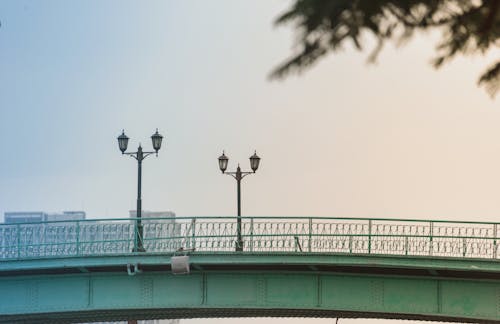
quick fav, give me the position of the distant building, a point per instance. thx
(151, 214)
(67, 215)
(38, 216)
(24, 217)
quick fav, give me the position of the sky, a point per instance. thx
(396, 139)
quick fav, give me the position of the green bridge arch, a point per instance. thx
(228, 285)
(71, 271)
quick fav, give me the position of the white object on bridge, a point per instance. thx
(180, 264)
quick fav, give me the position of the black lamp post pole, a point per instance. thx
(140, 155)
(139, 247)
(238, 177)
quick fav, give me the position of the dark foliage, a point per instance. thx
(468, 27)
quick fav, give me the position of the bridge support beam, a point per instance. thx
(114, 296)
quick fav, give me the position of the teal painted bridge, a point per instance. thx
(85, 271)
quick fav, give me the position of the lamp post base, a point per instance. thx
(139, 249)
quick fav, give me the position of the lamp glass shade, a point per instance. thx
(223, 160)
(123, 142)
(254, 162)
(156, 138)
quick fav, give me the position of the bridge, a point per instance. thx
(85, 270)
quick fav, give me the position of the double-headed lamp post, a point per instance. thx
(238, 175)
(139, 155)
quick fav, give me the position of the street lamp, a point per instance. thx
(139, 155)
(238, 175)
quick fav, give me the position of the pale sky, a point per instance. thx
(345, 139)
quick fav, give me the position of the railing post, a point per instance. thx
(18, 230)
(495, 241)
(193, 233)
(136, 231)
(297, 244)
(369, 236)
(464, 246)
(431, 233)
(251, 234)
(310, 234)
(44, 239)
(77, 238)
(406, 244)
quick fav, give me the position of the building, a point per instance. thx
(24, 217)
(150, 214)
(38, 216)
(66, 215)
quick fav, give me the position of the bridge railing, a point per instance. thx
(259, 234)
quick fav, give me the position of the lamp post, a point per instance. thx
(139, 155)
(238, 175)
